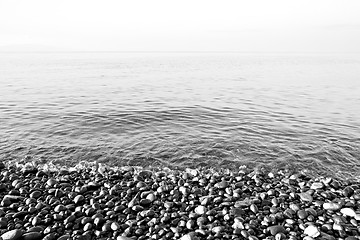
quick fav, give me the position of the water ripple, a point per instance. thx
(198, 111)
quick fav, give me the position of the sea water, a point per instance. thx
(219, 110)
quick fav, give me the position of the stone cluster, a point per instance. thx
(133, 203)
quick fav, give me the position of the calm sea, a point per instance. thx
(220, 110)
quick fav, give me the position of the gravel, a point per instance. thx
(131, 203)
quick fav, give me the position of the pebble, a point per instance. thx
(189, 236)
(211, 205)
(276, 229)
(317, 185)
(302, 214)
(331, 206)
(306, 197)
(348, 212)
(200, 210)
(78, 199)
(312, 231)
(12, 234)
(32, 236)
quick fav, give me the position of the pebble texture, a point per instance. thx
(132, 203)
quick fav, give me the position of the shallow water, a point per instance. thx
(183, 110)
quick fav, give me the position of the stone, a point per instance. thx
(35, 194)
(312, 231)
(276, 229)
(243, 203)
(222, 185)
(217, 229)
(32, 236)
(12, 235)
(348, 191)
(189, 236)
(123, 238)
(331, 206)
(348, 212)
(51, 182)
(254, 208)
(238, 223)
(317, 185)
(200, 210)
(305, 197)
(79, 199)
(64, 237)
(337, 227)
(302, 214)
(326, 236)
(115, 226)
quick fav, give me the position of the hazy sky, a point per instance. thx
(184, 25)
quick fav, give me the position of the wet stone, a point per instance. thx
(276, 229)
(302, 214)
(79, 199)
(12, 235)
(311, 231)
(348, 212)
(306, 197)
(32, 236)
(200, 210)
(331, 206)
(317, 185)
(222, 185)
(348, 191)
(35, 194)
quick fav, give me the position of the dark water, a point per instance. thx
(183, 110)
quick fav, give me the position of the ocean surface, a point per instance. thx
(177, 110)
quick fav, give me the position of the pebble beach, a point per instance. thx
(99, 202)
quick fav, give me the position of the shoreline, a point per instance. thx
(95, 201)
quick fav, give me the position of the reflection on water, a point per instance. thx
(218, 110)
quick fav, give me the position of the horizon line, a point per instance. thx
(171, 51)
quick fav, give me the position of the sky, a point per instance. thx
(186, 25)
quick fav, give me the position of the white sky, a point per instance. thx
(183, 25)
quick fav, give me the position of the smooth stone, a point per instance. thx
(35, 194)
(348, 191)
(317, 185)
(238, 224)
(327, 236)
(36, 229)
(217, 229)
(237, 212)
(331, 206)
(64, 237)
(243, 203)
(115, 226)
(222, 185)
(302, 214)
(32, 236)
(254, 208)
(200, 210)
(59, 208)
(306, 197)
(13, 198)
(312, 231)
(12, 234)
(51, 182)
(337, 227)
(78, 199)
(276, 229)
(189, 236)
(351, 238)
(348, 212)
(308, 238)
